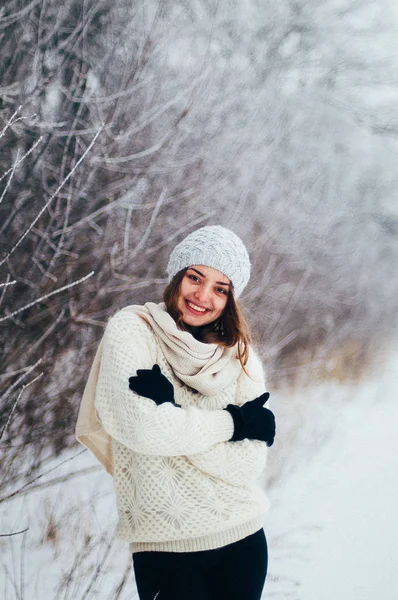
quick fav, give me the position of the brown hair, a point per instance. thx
(229, 329)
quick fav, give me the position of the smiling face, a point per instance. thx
(203, 295)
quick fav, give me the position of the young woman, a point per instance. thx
(174, 408)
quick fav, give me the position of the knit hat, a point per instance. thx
(217, 247)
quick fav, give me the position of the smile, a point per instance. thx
(195, 308)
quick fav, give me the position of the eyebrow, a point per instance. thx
(201, 274)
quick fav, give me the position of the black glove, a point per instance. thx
(151, 383)
(253, 421)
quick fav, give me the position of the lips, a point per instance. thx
(195, 309)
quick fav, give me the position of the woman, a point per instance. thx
(174, 408)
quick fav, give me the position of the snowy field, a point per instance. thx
(332, 528)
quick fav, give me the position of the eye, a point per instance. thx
(192, 277)
(222, 291)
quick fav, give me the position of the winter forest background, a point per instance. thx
(123, 126)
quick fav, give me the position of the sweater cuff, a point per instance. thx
(238, 422)
(224, 425)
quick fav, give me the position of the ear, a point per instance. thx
(156, 369)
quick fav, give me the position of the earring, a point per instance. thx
(221, 328)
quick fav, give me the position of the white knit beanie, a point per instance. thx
(217, 247)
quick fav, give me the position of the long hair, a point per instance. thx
(230, 329)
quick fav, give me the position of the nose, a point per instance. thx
(202, 293)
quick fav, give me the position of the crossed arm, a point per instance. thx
(166, 429)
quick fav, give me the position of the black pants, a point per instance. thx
(233, 572)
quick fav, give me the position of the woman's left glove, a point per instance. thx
(151, 383)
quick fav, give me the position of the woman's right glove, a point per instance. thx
(253, 421)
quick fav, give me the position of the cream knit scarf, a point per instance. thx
(207, 368)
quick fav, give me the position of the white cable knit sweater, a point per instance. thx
(180, 484)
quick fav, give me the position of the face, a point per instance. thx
(203, 295)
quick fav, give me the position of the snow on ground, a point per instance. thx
(332, 528)
(71, 525)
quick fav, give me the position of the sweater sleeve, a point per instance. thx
(238, 463)
(138, 422)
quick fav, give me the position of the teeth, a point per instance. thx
(198, 308)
